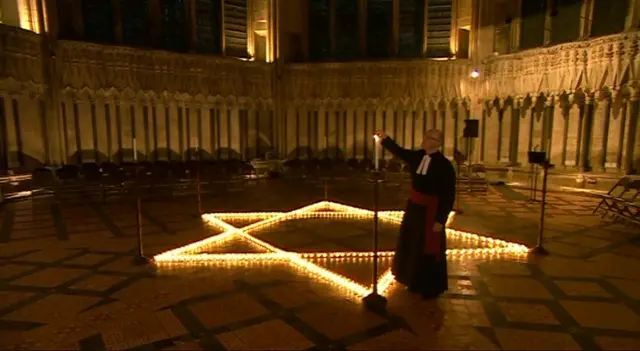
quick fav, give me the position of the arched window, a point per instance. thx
(319, 29)
(565, 21)
(66, 29)
(439, 13)
(347, 29)
(411, 27)
(607, 18)
(174, 25)
(533, 16)
(135, 22)
(379, 28)
(209, 25)
(99, 21)
(235, 27)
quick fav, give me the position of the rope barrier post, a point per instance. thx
(374, 301)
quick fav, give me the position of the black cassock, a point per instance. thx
(420, 260)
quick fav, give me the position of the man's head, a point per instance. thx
(432, 139)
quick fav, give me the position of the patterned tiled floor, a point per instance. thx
(66, 281)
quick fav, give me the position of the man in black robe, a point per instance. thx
(420, 260)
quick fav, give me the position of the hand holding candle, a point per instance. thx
(376, 138)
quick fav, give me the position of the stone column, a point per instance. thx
(450, 128)
(587, 132)
(302, 129)
(288, 128)
(190, 123)
(615, 135)
(253, 129)
(154, 114)
(419, 125)
(601, 122)
(75, 133)
(30, 127)
(323, 131)
(225, 129)
(117, 131)
(537, 123)
(162, 108)
(235, 130)
(11, 132)
(514, 131)
(349, 132)
(127, 127)
(524, 133)
(504, 120)
(142, 128)
(100, 125)
(573, 134)
(205, 127)
(632, 151)
(547, 124)
(173, 117)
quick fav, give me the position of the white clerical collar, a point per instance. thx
(424, 165)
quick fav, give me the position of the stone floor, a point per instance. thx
(66, 281)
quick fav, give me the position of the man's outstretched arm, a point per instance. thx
(396, 149)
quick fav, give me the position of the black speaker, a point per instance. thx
(471, 127)
(537, 157)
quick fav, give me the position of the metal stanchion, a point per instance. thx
(536, 158)
(539, 249)
(139, 259)
(374, 301)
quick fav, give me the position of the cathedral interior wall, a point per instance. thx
(87, 102)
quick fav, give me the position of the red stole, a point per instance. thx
(432, 244)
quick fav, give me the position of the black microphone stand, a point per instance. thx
(374, 301)
(533, 174)
(539, 249)
(139, 259)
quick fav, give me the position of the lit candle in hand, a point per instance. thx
(377, 151)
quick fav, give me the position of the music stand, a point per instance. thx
(536, 158)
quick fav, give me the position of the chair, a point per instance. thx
(294, 167)
(43, 182)
(626, 207)
(616, 191)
